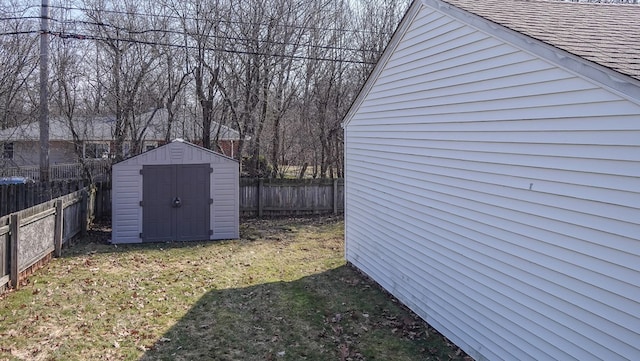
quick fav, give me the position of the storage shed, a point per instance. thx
(493, 176)
(178, 191)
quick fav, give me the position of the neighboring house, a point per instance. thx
(20, 146)
(493, 176)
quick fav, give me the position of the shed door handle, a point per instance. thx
(177, 202)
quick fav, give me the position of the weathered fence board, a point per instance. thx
(272, 197)
(57, 237)
(72, 218)
(16, 197)
(36, 239)
(4, 255)
(267, 197)
(14, 231)
(102, 200)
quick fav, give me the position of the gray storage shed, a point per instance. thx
(176, 192)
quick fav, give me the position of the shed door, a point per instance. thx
(176, 202)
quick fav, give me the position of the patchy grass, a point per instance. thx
(282, 292)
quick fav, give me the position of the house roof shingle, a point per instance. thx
(606, 34)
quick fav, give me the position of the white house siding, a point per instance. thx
(498, 196)
(127, 190)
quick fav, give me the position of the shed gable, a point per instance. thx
(496, 193)
(178, 152)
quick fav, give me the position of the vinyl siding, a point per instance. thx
(498, 196)
(126, 216)
(225, 209)
(127, 190)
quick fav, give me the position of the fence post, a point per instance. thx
(83, 213)
(98, 206)
(21, 195)
(335, 196)
(92, 203)
(57, 238)
(15, 236)
(4, 200)
(260, 197)
(11, 197)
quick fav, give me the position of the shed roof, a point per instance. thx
(177, 146)
(606, 34)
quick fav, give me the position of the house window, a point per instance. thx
(7, 151)
(149, 146)
(96, 150)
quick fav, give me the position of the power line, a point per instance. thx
(222, 37)
(303, 45)
(175, 17)
(182, 33)
(21, 18)
(20, 32)
(77, 36)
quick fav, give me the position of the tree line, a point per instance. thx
(281, 72)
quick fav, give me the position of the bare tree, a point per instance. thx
(128, 53)
(281, 72)
(354, 36)
(67, 59)
(18, 64)
(250, 72)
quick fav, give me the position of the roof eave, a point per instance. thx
(622, 84)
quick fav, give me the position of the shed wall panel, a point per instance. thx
(126, 210)
(498, 196)
(226, 201)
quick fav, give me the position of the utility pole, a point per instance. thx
(44, 91)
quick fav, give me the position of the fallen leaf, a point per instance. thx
(337, 318)
(344, 352)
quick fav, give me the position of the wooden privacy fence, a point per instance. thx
(275, 197)
(30, 237)
(258, 197)
(16, 197)
(100, 170)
